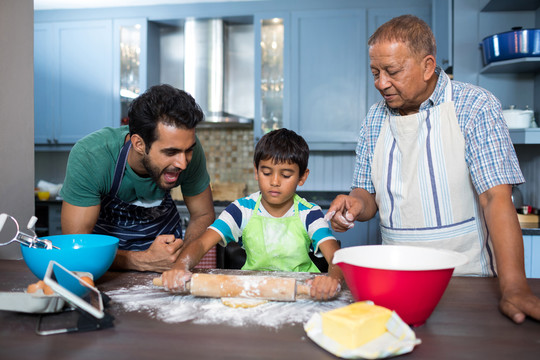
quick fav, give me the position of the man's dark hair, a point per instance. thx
(165, 104)
(282, 146)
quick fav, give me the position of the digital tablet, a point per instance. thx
(74, 290)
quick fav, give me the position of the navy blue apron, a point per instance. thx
(135, 226)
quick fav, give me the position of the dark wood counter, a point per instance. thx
(465, 325)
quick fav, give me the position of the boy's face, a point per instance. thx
(278, 183)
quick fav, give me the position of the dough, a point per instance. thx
(236, 302)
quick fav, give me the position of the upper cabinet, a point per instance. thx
(328, 76)
(73, 66)
(86, 73)
(136, 62)
(313, 71)
(308, 67)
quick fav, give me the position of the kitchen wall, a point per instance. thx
(229, 155)
(16, 117)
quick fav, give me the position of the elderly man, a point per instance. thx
(118, 181)
(434, 157)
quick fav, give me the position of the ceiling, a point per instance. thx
(83, 4)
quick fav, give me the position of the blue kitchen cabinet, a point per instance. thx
(330, 80)
(328, 75)
(73, 63)
(136, 62)
(531, 245)
(43, 84)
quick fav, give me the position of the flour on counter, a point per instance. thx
(172, 308)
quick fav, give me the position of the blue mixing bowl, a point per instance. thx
(92, 253)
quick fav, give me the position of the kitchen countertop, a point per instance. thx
(465, 325)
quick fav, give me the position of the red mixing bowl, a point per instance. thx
(409, 280)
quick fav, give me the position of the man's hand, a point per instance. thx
(517, 300)
(163, 252)
(346, 209)
(519, 303)
(160, 256)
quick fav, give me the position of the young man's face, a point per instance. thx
(278, 183)
(169, 155)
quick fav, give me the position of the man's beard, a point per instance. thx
(155, 174)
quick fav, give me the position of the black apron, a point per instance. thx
(135, 226)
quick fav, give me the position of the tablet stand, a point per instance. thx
(85, 322)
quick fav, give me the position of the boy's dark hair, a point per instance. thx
(281, 146)
(165, 104)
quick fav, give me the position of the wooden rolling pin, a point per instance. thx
(244, 286)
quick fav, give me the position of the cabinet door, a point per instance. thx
(328, 74)
(43, 83)
(527, 254)
(535, 256)
(131, 59)
(85, 67)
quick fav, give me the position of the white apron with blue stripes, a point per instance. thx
(135, 226)
(423, 187)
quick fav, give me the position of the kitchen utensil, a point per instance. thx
(244, 286)
(517, 197)
(407, 279)
(518, 118)
(517, 43)
(93, 253)
(27, 240)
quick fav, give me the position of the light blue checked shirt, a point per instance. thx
(489, 152)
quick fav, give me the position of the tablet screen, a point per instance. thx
(73, 289)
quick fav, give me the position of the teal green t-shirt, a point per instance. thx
(90, 172)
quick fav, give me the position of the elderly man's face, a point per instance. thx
(400, 77)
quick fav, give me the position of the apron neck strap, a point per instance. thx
(120, 168)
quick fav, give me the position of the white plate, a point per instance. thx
(30, 303)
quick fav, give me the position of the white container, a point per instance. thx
(517, 118)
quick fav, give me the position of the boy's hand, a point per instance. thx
(324, 287)
(175, 280)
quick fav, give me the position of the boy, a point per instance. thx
(277, 227)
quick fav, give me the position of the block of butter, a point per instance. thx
(354, 325)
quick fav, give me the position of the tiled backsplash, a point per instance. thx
(229, 155)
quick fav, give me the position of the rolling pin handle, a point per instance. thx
(159, 282)
(303, 290)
